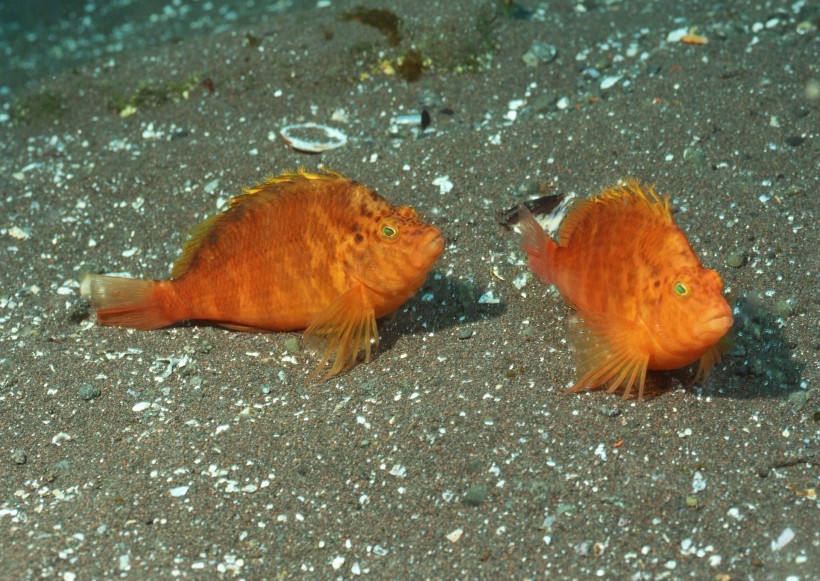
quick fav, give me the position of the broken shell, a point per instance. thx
(312, 137)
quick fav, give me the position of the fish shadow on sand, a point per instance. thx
(759, 363)
(455, 305)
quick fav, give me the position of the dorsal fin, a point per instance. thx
(203, 230)
(299, 175)
(628, 193)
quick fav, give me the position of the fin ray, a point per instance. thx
(606, 354)
(537, 244)
(629, 192)
(341, 331)
(124, 302)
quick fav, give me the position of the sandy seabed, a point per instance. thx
(199, 452)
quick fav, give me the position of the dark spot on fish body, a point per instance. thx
(374, 196)
(358, 238)
(364, 211)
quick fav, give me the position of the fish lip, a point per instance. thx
(433, 246)
(718, 324)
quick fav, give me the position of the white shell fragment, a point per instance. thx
(179, 491)
(312, 137)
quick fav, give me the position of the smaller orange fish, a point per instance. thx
(314, 251)
(642, 298)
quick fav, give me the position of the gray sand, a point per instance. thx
(199, 452)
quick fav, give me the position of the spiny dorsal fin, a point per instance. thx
(203, 230)
(299, 175)
(630, 192)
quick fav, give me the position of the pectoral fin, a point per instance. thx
(712, 356)
(341, 330)
(607, 352)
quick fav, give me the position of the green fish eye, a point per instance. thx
(389, 233)
(681, 289)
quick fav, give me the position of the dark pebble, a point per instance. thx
(465, 333)
(89, 392)
(795, 140)
(475, 496)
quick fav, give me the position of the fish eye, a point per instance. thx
(389, 232)
(681, 289)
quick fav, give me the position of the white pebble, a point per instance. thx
(141, 406)
(784, 539)
(60, 438)
(18, 233)
(698, 482)
(677, 34)
(211, 186)
(609, 82)
(125, 563)
(488, 298)
(444, 184)
(179, 491)
(454, 536)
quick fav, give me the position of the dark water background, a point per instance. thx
(41, 38)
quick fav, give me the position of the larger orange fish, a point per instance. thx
(314, 251)
(642, 297)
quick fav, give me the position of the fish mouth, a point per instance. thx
(428, 250)
(717, 325)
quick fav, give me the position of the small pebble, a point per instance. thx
(19, 456)
(475, 496)
(204, 346)
(783, 308)
(465, 333)
(736, 259)
(539, 52)
(695, 156)
(292, 345)
(89, 392)
(610, 412)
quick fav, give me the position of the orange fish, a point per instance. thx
(314, 251)
(642, 298)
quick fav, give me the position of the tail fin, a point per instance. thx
(124, 302)
(537, 244)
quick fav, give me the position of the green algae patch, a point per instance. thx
(153, 93)
(42, 106)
